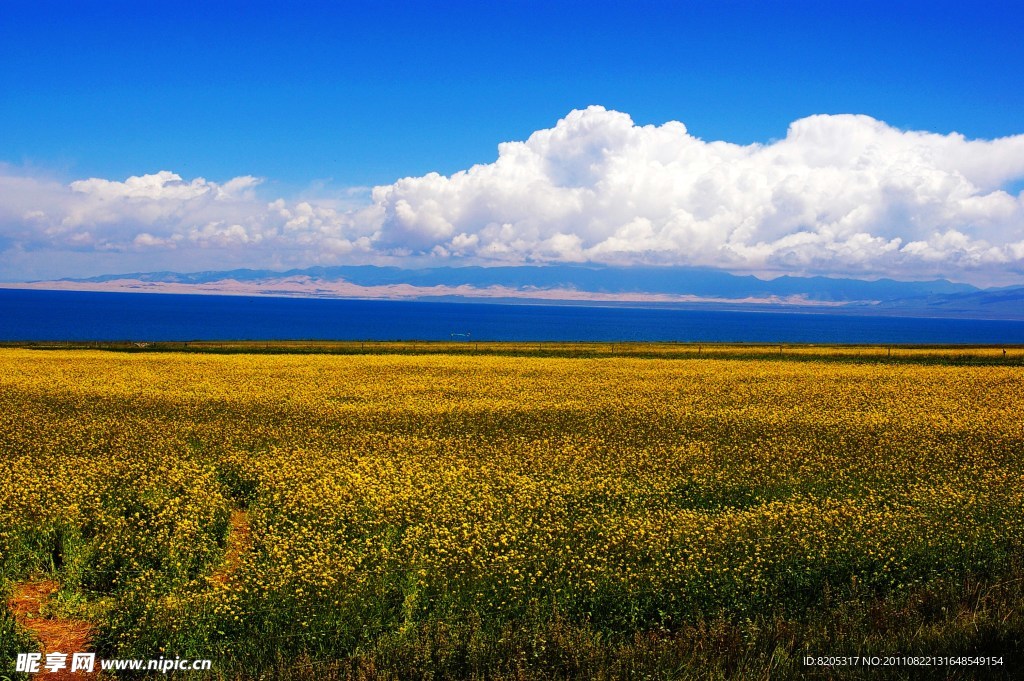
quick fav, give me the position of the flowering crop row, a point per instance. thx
(385, 492)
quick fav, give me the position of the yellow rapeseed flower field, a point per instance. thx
(388, 496)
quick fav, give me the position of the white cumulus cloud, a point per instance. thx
(161, 221)
(839, 194)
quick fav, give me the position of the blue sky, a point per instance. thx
(319, 99)
(366, 92)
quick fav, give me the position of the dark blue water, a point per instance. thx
(86, 316)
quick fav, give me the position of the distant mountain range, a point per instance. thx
(579, 284)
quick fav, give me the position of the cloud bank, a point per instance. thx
(839, 194)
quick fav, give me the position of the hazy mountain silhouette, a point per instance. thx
(883, 296)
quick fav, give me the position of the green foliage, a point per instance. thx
(13, 640)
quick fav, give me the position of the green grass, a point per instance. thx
(949, 355)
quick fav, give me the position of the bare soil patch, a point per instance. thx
(55, 634)
(239, 541)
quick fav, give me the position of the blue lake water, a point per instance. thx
(87, 316)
